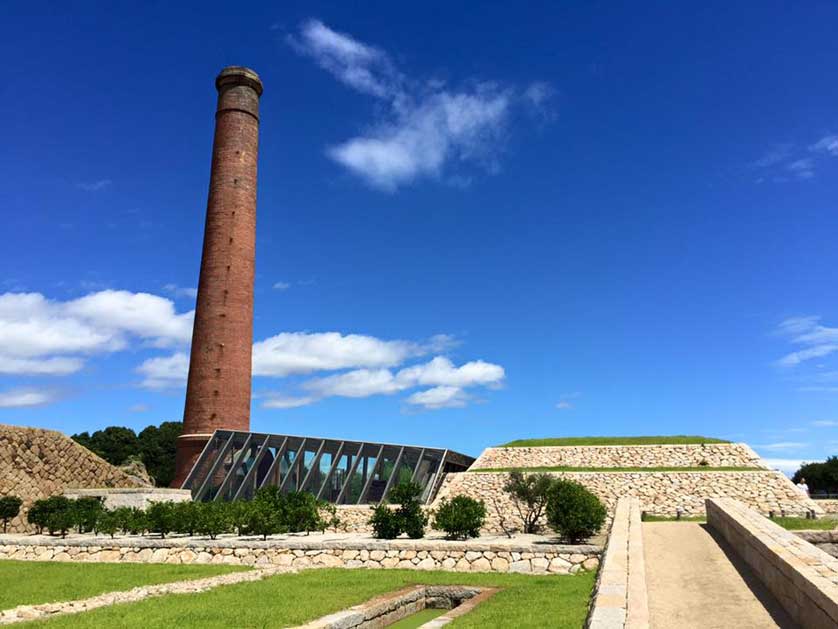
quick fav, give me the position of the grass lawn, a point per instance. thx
(418, 619)
(610, 441)
(568, 468)
(35, 582)
(802, 524)
(292, 599)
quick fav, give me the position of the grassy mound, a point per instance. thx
(611, 441)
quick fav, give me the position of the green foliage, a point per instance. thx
(529, 493)
(264, 515)
(213, 518)
(301, 513)
(611, 441)
(157, 450)
(460, 518)
(114, 444)
(56, 514)
(161, 517)
(186, 517)
(329, 516)
(9, 509)
(238, 513)
(820, 477)
(573, 511)
(385, 523)
(86, 512)
(155, 446)
(37, 515)
(108, 523)
(407, 518)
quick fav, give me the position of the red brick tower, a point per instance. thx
(218, 390)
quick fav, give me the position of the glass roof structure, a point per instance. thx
(234, 464)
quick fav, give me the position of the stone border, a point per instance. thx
(384, 610)
(23, 613)
(620, 599)
(306, 553)
(803, 578)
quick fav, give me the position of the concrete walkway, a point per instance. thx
(695, 581)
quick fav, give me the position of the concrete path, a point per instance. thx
(696, 581)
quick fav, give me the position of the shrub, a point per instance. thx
(301, 513)
(186, 517)
(160, 517)
(108, 523)
(408, 518)
(238, 513)
(86, 513)
(460, 518)
(573, 511)
(61, 515)
(385, 522)
(266, 515)
(329, 516)
(529, 493)
(213, 519)
(37, 515)
(9, 509)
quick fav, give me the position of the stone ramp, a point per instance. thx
(695, 581)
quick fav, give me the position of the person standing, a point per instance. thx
(802, 486)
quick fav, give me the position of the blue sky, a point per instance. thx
(473, 225)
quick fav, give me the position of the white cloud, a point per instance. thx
(165, 372)
(139, 408)
(42, 336)
(282, 285)
(782, 445)
(427, 126)
(787, 466)
(181, 291)
(301, 352)
(802, 168)
(827, 144)
(818, 340)
(825, 423)
(564, 405)
(18, 398)
(283, 401)
(94, 186)
(439, 397)
(439, 373)
(776, 155)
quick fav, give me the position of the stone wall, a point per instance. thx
(660, 493)
(828, 506)
(802, 578)
(620, 599)
(311, 552)
(135, 497)
(38, 463)
(711, 454)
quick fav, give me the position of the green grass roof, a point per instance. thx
(610, 441)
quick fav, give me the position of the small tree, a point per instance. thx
(61, 515)
(329, 517)
(574, 512)
(460, 518)
(267, 512)
(186, 517)
(9, 509)
(411, 519)
(86, 513)
(238, 512)
(385, 522)
(108, 523)
(529, 493)
(160, 517)
(38, 514)
(213, 519)
(301, 513)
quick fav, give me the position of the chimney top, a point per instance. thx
(238, 75)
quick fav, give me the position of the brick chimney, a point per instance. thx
(218, 389)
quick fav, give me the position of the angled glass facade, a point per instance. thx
(234, 464)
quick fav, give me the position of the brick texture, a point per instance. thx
(218, 389)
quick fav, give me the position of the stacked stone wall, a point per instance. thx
(37, 463)
(472, 556)
(693, 455)
(660, 493)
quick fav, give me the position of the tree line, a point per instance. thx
(154, 446)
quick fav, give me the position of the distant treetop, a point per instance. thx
(611, 441)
